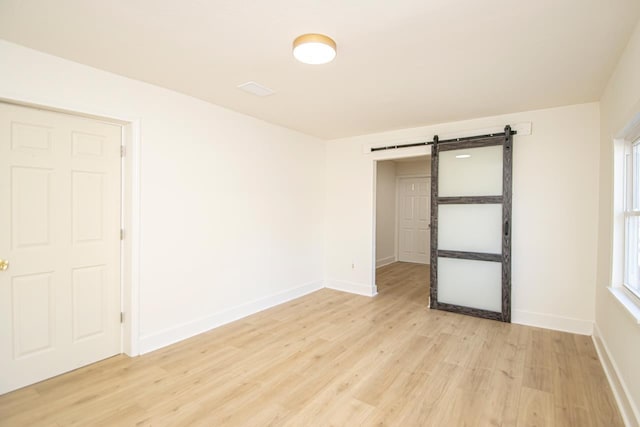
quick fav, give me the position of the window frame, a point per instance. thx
(631, 209)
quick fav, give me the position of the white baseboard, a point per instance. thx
(351, 287)
(385, 261)
(189, 329)
(548, 321)
(630, 413)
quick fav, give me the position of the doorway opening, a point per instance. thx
(402, 226)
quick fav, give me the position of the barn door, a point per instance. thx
(471, 226)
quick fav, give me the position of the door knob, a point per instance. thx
(4, 264)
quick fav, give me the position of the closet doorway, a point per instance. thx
(403, 191)
(402, 227)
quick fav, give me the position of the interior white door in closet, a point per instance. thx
(413, 220)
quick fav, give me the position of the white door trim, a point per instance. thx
(414, 175)
(130, 215)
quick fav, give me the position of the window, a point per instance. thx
(625, 271)
(632, 217)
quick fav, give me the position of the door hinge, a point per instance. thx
(121, 317)
(123, 151)
(122, 234)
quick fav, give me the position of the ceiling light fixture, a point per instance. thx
(463, 156)
(314, 49)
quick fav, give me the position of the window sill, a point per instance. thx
(628, 302)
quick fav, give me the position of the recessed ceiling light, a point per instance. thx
(463, 156)
(314, 49)
(256, 89)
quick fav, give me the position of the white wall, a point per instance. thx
(554, 211)
(617, 332)
(385, 213)
(415, 167)
(231, 207)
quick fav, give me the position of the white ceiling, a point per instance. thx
(400, 63)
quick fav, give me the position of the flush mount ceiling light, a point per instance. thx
(463, 156)
(314, 49)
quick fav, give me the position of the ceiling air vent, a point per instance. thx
(256, 89)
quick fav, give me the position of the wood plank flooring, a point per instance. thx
(335, 359)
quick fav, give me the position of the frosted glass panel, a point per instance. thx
(472, 172)
(475, 284)
(471, 228)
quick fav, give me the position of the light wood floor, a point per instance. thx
(332, 358)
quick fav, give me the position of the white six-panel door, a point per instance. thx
(59, 231)
(413, 220)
